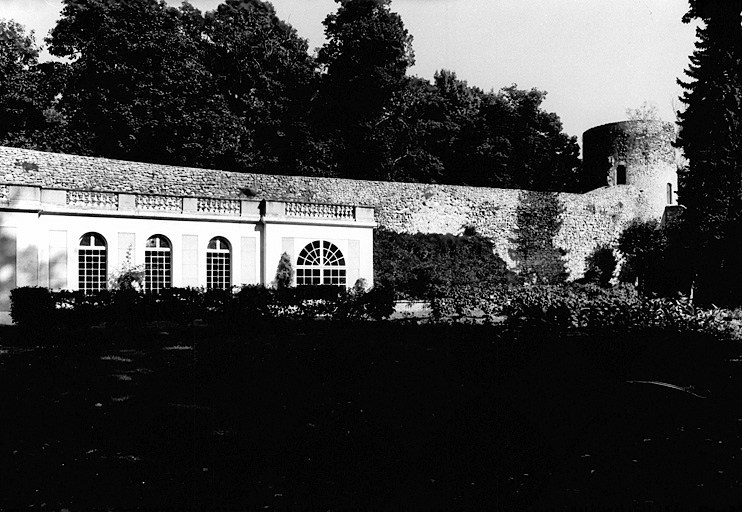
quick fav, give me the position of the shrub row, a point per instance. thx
(564, 307)
(35, 308)
(578, 306)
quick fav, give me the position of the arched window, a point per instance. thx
(218, 264)
(621, 175)
(320, 262)
(157, 264)
(669, 193)
(92, 263)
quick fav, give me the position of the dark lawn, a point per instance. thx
(373, 416)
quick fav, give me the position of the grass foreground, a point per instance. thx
(378, 415)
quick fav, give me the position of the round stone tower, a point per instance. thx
(636, 154)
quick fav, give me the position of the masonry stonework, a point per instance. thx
(638, 153)
(588, 221)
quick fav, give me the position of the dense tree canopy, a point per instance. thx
(422, 265)
(264, 72)
(513, 143)
(27, 88)
(138, 87)
(365, 61)
(18, 59)
(237, 89)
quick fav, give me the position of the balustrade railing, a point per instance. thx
(219, 206)
(321, 211)
(90, 200)
(159, 203)
(93, 200)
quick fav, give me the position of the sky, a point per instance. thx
(594, 58)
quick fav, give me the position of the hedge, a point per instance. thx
(563, 307)
(578, 307)
(418, 265)
(33, 306)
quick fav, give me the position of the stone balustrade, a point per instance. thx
(320, 211)
(92, 200)
(218, 206)
(33, 197)
(159, 203)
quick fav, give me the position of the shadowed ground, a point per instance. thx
(379, 415)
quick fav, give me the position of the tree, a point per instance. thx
(451, 109)
(410, 134)
(499, 139)
(449, 132)
(641, 245)
(365, 60)
(267, 77)
(284, 272)
(655, 257)
(528, 142)
(19, 81)
(138, 88)
(151, 82)
(538, 219)
(236, 89)
(424, 264)
(710, 187)
(600, 265)
(28, 94)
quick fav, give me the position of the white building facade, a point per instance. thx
(78, 239)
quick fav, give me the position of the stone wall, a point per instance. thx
(643, 148)
(589, 220)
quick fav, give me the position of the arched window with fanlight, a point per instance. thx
(92, 263)
(320, 262)
(157, 264)
(218, 264)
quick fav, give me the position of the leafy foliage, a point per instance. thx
(138, 87)
(655, 258)
(267, 78)
(449, 132)
(518, 145)
(222, 309)
(30, 304)
(538, 218)
(601, 264)
(423, 265)
(27, 88)
(128, 276)
(235, 88)
(580, 308)
(365, 59)
(641, 243)
(18, 58)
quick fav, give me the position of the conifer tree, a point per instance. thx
(711, 137)
(284, 272)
